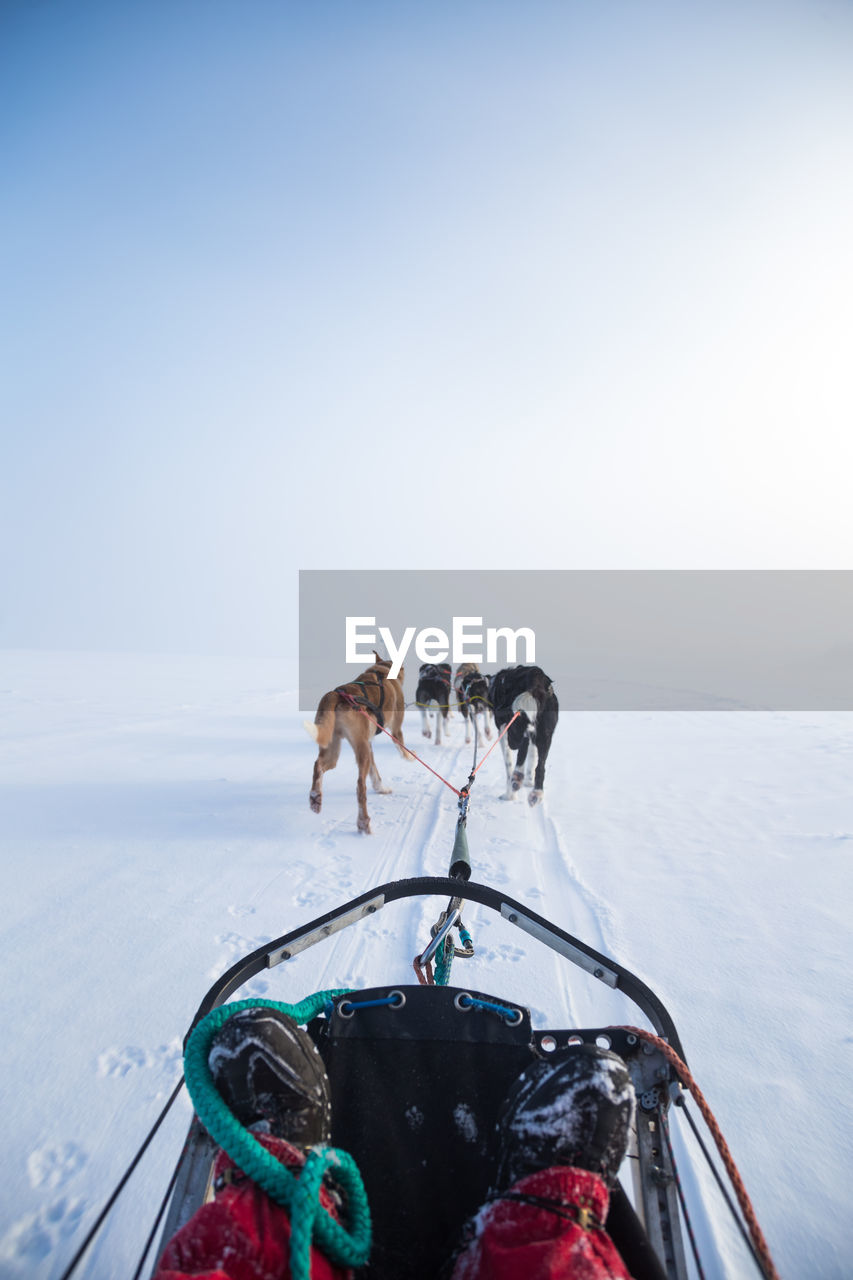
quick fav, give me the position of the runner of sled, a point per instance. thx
(563, 1133)
(340, 716)
(529, 691)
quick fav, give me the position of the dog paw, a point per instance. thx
(382, 790)
(516, 780)
(427, 733)
(315, 799)
(364, 826)
(534, 797)
(508, 795)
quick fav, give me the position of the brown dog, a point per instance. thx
(339, 715)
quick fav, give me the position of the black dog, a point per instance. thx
(529, 691)
(472, 694)
(434, 686)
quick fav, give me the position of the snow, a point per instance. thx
(155, 826)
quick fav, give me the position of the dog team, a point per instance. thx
(363, 707)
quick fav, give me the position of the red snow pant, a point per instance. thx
(561, 1239)
(243, 1235)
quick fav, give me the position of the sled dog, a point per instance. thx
(530, 691)
(341, 715)
(434, 686)
(472, 694)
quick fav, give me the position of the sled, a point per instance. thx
(418, 1073)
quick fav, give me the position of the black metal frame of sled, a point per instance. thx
(367, 904)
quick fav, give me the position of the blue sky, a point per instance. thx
(541, 285)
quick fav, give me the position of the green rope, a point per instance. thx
(443, 961)
(299, 1195)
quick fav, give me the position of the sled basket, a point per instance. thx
(418, 1075)
(417, 1085)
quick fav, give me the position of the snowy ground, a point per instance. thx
(155, 826)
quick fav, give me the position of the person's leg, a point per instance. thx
(272, 1077)
(563, 1133)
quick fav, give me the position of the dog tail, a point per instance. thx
(322, 726)
(527, 703)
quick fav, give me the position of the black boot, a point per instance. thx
(267, 1068)
(575, 1109)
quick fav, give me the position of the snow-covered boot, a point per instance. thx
(267, 1068)
(573, 1109)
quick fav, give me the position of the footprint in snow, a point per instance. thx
(255, 987)
(308, 898)
(37, 1236)
(237, 946)
(380, 933)
(167, 1058)
(355, 981)
(50, 1167)
(241, 911)
(118, 1062)
(300, 868)
(503, 952)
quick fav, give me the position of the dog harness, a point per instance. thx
(365, 701)
(466, 685)
(436, 671)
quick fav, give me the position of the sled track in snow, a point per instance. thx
(581, 911)
(512, 846)
(589, 916)
(412, 835)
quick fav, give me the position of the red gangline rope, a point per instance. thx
(683, 1072)
(494, 744)
(349, 697)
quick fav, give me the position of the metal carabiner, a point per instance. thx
(439, 936)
